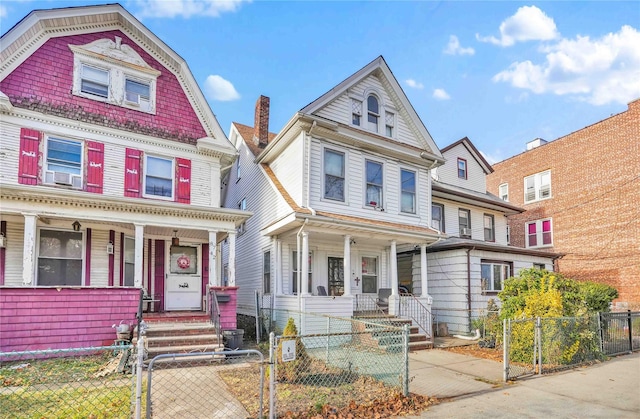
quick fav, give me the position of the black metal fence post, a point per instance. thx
(629, 323)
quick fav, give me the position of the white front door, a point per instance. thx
(183, 287)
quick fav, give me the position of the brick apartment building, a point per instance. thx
(581, 193)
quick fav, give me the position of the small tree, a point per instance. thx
(292, 370)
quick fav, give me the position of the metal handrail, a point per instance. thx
(411, 308)
(366, 304)
(214, 313)
(139, 313)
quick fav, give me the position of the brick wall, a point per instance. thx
(44, 82)
(595, 182)
(58, 318)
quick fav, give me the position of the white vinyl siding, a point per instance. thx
(289, 168)
(448, 173)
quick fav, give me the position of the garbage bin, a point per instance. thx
(233, 338)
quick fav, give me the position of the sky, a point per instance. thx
(501, 73)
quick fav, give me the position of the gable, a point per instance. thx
(476, 168)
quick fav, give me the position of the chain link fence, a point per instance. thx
(67, 383)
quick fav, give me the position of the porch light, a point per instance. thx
(175, 241)
(76, 225)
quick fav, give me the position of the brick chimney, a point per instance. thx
(261, 122)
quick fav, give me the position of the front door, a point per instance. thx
(183, 287)
(336, 276)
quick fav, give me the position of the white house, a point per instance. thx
(334, 194)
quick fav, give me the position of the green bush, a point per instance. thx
(292, 370)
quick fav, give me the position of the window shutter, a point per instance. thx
(29, 156)
(95, 167)
(133, 173)
(183, 180)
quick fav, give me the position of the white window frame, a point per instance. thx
(491, 229)
(99, 82)
(539, 233)
(242, 206)
(376, 276)
(389, 124)
(266, 273)
(356, 112)
(465, 169)
(488, 284)
(137, 103)
(541, 191)
(468, 226)
(367, 202)
(82, 255)
(173, 177)
(441, 221)
(52, 177)
(503, 192)
(344, 175)
(415, 191)
(375, 115)
(124, 261)
(295, 269)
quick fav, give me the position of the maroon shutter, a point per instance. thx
(87, 258)
(183, 180)
(95, 166)
(158, 280)
(111, 257)
(133, 173)
(205, 271)
(29, 156)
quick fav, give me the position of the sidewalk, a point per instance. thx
(475, 386)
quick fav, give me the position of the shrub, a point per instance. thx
(292, 370)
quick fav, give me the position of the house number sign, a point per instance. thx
(185, 285)
(288, 350)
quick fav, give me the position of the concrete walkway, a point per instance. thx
(607, 390)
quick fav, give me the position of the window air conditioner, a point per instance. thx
(465, 231)
(63, 178)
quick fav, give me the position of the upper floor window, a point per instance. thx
(60, 257)
(537, 187)
(462, 168)
(373, 112)
(539, 233)
(508, 235)
(94, 81)
(356, 112)
(238, 171)
(489, 228)
(374, 184)
(504, 191)
(242, 206)
(63, 162)
(408, 191)
(437, 217)
(138, 93)
(389, 120)
(493, 274)
(334, 175)
(464, 222)
(266, 272)
(158, 177)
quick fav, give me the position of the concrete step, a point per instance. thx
(159, 341)
(183, 349)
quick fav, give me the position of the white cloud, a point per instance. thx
(598, 71)
(414, 84)
(217, 88)
(454, 48)
(187, 8)
(528, 24)
(3, 11)
(441, 94)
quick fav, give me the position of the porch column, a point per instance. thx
(29, 249)
(347, 265)
(423, 270)
(304, 271)
(277, 274)
(213, 252)
(232, 259)
(393, 265)
(139, 255)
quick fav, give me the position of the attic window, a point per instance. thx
(388, 120)
(94, 81)
(356, 112)
(373, 112)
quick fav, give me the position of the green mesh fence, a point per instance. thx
(70, 383)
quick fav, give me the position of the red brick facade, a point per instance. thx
(594, 204)
(50, 92)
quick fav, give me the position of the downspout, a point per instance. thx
(469, 285)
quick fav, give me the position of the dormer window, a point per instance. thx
(137, 92)
(373, 113)
(462, 168)
(95, 81)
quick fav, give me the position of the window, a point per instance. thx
(138, 93)
(464, 222)
(129, 261)
(158, 177)
(508, 235)
(94, 81)
(489, 228)
(408, 191)
(539, 233)
(60, 258)
(295, 271)
(333, 175)
(369, 274)
(373, 113)
(374, 184)
(493, 274)
(266, 273)
(242, 206)
(356, 112)
(437, 217)
(462, 168)
(504, 191)
(540, 266)
(537, 187)
(238, 172)
(389, 123)
(63, 164)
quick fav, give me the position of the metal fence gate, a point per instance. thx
(227, 384)
(521, 347)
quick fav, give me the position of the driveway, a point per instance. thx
(475, 389)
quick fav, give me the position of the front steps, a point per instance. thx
(417, 340)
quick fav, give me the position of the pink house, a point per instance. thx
(109, 180)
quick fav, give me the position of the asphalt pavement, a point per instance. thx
(470, 387)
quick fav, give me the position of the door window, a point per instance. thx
(336, 276)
